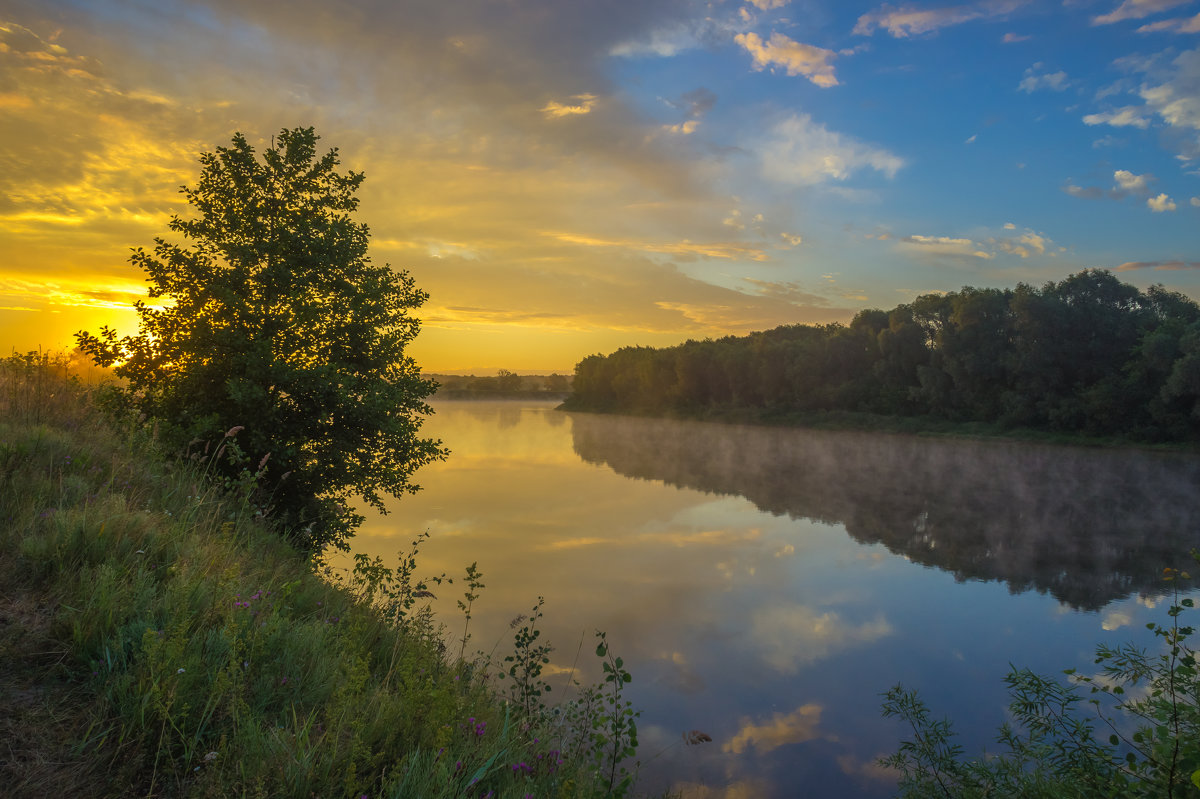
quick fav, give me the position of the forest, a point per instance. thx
(1089, 355)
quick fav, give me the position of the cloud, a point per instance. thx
(944, 246)
(1160, 203)
(1129, 116)
(725, 250)
(767, 5)
(780, 730)
(1159, 266)
(695, 103)
(1125, 184)
(1129, 182)
(1024, 245)
(683, 128)
(1178, 25)
(1013, 38)
(1195, 201)
(792, 635)
(806, 153)
(1176, 100)
(1055, 81)
(795, 57)
(1085, 192)
(908, 20)
(585, 104)
(1136, 9)
(1116, 619)
(796, 240)
(785, 290)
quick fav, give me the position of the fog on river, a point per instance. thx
(766, 585)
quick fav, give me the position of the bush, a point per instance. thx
(1133, 730)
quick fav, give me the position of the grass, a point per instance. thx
(158, 639)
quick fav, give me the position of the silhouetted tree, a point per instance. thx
(277, 322)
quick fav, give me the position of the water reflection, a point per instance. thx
(761, 621)
(1085, 525)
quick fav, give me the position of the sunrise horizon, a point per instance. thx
(569, 179)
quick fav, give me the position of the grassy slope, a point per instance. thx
(157, 640)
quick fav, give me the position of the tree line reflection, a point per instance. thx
(1087, 526)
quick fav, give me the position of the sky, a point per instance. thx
(569, 177)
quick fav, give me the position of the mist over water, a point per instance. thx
(1085, 525)
(765, 586)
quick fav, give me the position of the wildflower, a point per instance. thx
(263, 462)
(180, 671)
(233, 431)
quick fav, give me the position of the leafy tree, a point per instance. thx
(274, 319)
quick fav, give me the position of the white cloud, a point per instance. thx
(1195, 201)
(796, 241)
(1178, 25)
(1013, 38)
(1177, 99)
(1055, 81)
(1027, 244)
(908, 21)
(944, 246)
(767, 5)
(1136, 9)
(789, 636)
(795, 57)
(807, 153)
(1160, 203)
(1135, 184)
(1128, 116)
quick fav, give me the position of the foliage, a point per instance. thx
(614, 734)
(526, 663)
(172, 645)
(1148, 704)
(274, 320)
(1087, 355)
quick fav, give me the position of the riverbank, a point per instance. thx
(157, 638)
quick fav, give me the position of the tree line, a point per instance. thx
(1089, 355)
(505, 384)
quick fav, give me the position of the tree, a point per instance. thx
(275, 321)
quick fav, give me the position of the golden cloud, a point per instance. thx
(781, 729)
(795, 57)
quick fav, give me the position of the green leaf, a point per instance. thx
(1113, 739)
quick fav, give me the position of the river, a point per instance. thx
(765, 586)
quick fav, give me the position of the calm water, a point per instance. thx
(765, 586)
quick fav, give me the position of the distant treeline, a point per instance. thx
(505, 385)
(1088, 355)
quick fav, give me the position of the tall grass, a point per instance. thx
(158, 639)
